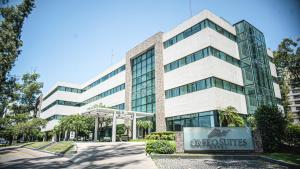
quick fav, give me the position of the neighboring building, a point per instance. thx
(183, 76)
(294, 97)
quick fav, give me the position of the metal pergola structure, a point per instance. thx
(115, 114)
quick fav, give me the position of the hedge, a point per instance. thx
(167, 135)
(292, 135)
(160, 147)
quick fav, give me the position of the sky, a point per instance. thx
(73, 40)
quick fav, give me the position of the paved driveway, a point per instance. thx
(14, 157)
(90, 155)
(112, 155)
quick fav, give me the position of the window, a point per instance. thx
(203, 84)
(196, 28)
(187, 33)
(297, 102)
(205, 52)
(199, 55)
(219, 83)
(226, 85)
(183, 90)
(143, 87)
(180, 37)
(297, 97)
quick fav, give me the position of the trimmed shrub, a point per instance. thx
(292, 135)
(153, 137)
(271, 125)
(167, 135)
(160, 147)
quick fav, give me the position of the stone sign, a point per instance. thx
(217, 138)
(72, 135)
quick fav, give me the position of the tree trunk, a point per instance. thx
(66, 135)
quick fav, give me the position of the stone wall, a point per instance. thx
(258, 147)
(179, 142)
(156, 42)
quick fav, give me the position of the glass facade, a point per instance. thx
(55, 117)
(97, 97)
(204, 84)
(257, 77)
(143, 82)
(104, 94)
(119, 106)
(104, 78)
(203, 119)
(61, 102)
(196, 28)
(65, 89)
(209, 51)
(74, 90)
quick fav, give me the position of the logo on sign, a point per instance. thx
(218, 132)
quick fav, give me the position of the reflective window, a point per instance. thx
(143, 83)
(196, 28)
(202, 119)
(199, 55)
(204, 84)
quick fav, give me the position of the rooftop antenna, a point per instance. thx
(112, 55)
(190, 7)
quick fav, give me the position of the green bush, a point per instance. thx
(167, 135)
(271, 125)
(153, 137)
(160, 147)
(292, 135)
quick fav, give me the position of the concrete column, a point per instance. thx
(114, 127)
(96, 129)
(134, 126)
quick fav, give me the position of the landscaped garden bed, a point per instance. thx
(37, 145)
(60, 147)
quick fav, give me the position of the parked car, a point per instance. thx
(3, 141)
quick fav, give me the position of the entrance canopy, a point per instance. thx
(120, 114)
(114, 113)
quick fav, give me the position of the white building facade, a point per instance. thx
(183, 76)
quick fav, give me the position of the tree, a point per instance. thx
(8, 94)
(12, 19)
(287, 61)
(20, 125)
(271, 124)
(31, 128)
(230, 117)
(287, 57)
(144, 124)
(82, 125)
(30, 90)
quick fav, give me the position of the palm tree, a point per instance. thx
(230, 117)
(144, 124)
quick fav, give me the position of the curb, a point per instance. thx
(53, 153)
(280, 162)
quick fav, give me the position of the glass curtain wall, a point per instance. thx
(143, 82)
(255, 66)
(202, 119)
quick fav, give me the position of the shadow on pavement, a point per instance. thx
(85, 159)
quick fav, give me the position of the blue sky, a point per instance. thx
(72, 40)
